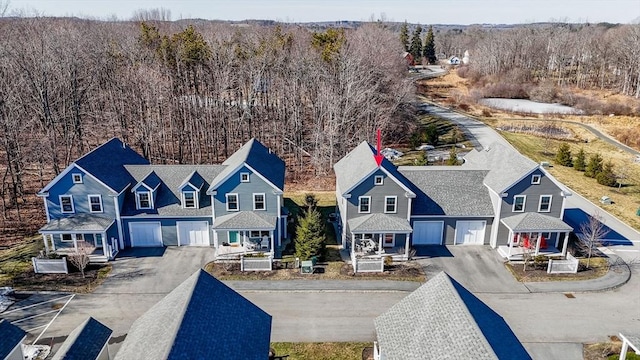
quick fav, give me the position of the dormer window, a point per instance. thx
(189, 200)
(244, 177)
(143, 200)
(77, 178)
(378, 180)
(535, 179)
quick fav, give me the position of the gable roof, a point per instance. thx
(448, 190)
(359, 164)
(259, 158)
(151, 181)
(443, 320)
(506, 166)
(194, 180)
(10, 337)
(533, 221)
(106, 163)
(200, 318)
(85, 342)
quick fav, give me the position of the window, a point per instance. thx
(545, 203)
(67, 237)
(390, 204)
(518, 203)
(388, 240)
(535, 179)
(244, 177)
(232, 202)
(364, 205)
(258, 202)
(95, 203)
(144, 200)
(66, 204)
(77, 178)
(378, 180)
(189, 200)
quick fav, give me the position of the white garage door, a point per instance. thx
(194, 233)
(470, 232)
(145, 234)
(427, 232)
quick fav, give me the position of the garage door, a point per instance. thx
(145, 234)
(427, 232)
(193, 233)
(470, 232)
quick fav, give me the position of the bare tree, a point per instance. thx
(592, 232)
(80, 258)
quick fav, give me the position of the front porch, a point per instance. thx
(534, 234)
(245, 233)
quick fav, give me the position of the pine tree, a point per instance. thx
(404, 36)
(309, 232)
(563, 156)
(416, 45)
(429, 50)
(594, 167)
(580, 162)
(453, 157)
(607, 176)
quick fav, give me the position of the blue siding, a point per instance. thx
(168, 227)
(89, 186)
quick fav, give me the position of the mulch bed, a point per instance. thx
(71, 282)
(534, 274)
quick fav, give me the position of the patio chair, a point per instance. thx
(264, 244)
(249, 245)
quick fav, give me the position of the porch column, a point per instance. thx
(353, 243)
(557, 240)
(44, 238)
(272, 250)
(538, 243)
(106, 246)
(380, 240)
(565, 243)
(406, 246)
(75, 241)
(510, 242)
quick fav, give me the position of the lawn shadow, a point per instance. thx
(576, 217)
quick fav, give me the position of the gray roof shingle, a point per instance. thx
(81, 222)
(168, 201)
(451, 191)
(85, 342)
(535, 222)
(379, 222)
(106, 163)
(202, 318)
(10, 337)
(443, 320)
(505, 165)
(245, 220)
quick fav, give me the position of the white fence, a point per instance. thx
(568, 266)
(50, 266)
(367, 265)
(256, 263)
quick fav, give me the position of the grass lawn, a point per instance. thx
(321, 351)
(598, 268)
(17, 259)
(607, 350)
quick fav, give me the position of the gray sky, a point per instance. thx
(414, 11)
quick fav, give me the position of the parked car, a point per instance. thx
(425, 147)
(391, 154)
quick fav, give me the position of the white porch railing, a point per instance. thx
(50, 266)
(568, 266)
(376, 352)
(256, 263)
(366, 265)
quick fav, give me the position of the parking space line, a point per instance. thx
(33, 316)
(38, 304)
(54, 318)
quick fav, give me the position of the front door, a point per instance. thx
(97, 241)
(234, 238)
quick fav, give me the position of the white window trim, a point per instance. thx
(138, 200)
(100, 202)
(393, 241)
(540, 203)
(196, 204)
(242, 174)
(63, 240)
(524, 203)
(395, 204)
(360, 203)
(73, 208)
(376, 178)
(264, 202)
(536, 176)
(237, 202)
(73, 178)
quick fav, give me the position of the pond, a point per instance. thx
(528, 106)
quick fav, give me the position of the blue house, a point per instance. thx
(11, 338)
(113, 198)
(89, 341)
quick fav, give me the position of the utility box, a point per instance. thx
(605, 200)
(306, 267)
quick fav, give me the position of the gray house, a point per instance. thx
(11, 338)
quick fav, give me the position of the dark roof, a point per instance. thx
(195, 180)
(168, 199)
(443, 320)
(450, 190)
(106, 163)
(85, 342)
(258, 157)
(10, 337)
(202, 318)
(152, 180)
(80, 222)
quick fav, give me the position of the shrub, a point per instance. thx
(607, 176)
(505, 90)
(580, 162)
(543, 93)
(486, 113)
(563, 156)
(594, 167)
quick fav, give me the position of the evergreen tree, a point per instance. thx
(594, 167)
(563, 156)
(416, 45)
(309, 232)
(453, 157)
(404, 36)
(422, 159)
(429, 50)
(580, 162)
(607, 176)
(431, 135)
